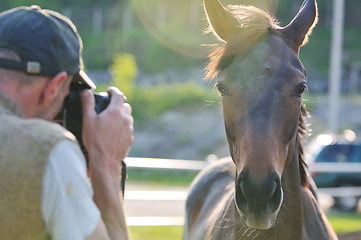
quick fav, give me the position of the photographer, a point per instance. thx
(44, 187)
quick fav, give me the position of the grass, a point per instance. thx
(340, 221)
(156, 233)
(343, 222)
(182, 178)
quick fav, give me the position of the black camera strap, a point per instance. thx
(123, 177)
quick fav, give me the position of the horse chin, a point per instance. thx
(260, 222)
(256, 220)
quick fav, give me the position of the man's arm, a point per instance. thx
(68, 208)
(100, 232)
(108, 137)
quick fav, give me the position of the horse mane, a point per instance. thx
(302, 131)
(253, 25)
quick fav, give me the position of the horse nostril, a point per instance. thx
(275, 196)
(241, 200)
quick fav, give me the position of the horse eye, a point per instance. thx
(221, 89)
(300, 89)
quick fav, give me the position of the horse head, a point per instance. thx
(261, 80)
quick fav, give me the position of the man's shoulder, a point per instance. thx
(46, 130)
(36, 129)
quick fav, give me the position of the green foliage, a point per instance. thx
(124, 69)
(148, 102)
(53, 5)
(158, 58)
(56, 5)
(152, 101)
(352, 46)
(316, 54)
(93, 47)
(135, 40)
(152, 56)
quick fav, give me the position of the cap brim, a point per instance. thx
(83, 77)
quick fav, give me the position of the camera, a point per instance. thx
(71, 114)
(71, 117)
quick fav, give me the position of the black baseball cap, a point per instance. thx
(46, 41)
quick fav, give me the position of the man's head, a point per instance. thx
(41, 51)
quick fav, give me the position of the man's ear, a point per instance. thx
(53, 87)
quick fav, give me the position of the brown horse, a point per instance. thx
(265, 192)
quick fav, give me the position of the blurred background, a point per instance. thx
(155, 52)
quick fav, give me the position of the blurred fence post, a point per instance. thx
(97, 20)
(335, 73)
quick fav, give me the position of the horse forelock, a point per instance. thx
(253, 25)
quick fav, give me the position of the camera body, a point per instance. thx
(71, 114)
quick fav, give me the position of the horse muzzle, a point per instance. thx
(258, 202)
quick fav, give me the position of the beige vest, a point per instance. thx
(25, 146)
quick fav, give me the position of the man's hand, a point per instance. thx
(108, 137)
(111, 132)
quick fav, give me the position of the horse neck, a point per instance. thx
(291, 212)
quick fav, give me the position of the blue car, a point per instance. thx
(330, 149)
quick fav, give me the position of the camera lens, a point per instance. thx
(102, 100)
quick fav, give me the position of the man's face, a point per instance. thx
(54, 107)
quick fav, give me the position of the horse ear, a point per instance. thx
(302, 25)
(220, 19)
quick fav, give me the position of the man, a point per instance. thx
(44, 189)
